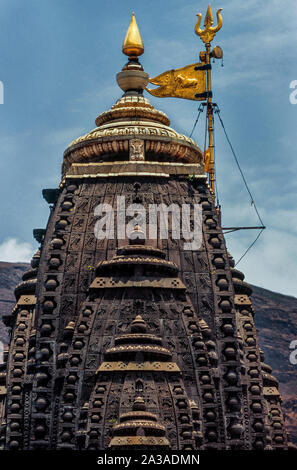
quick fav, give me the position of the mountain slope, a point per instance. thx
(276, 321)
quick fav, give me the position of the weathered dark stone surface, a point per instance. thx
(270, 307)
(135, 344)
(191, 324)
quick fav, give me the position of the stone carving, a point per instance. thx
(136, 147)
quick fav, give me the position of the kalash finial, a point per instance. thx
(132, 79)
(133, 45)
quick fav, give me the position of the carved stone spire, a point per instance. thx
(122, 344)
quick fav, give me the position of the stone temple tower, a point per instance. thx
(133, 342)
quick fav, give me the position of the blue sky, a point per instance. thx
(58, 61)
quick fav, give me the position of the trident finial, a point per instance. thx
(209, 32)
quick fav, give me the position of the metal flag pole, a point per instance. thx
(207, 35)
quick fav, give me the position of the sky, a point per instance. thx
(58, 62)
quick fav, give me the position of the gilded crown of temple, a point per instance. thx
(111, 136)
(132, 129)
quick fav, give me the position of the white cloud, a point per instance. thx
(253, 56)
(14, 251)
(271, 263)
(256, 37)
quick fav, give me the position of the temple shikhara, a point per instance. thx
(132, 342)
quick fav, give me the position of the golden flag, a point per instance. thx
(206, 160)
(188, 82)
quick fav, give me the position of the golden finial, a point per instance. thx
(208, 17)
(133, 45)
(209, 31)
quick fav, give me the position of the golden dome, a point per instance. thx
(132, 117)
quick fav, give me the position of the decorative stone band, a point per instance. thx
(172, 267)
(139, 423)
(132, 107)
(130, 168)
(132, 113)
(139, 348)
(139, 337)
(134, 366)
(113, 283)
(136, 129)
(139, 441)
(113, 139)
(138, 415)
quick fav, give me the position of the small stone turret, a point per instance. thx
(139, 429)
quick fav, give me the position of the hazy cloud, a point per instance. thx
(12, 250)
(271, 263)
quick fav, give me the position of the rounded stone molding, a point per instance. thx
(132, 80)
(132, 117)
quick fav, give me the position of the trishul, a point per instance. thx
(209, 32)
